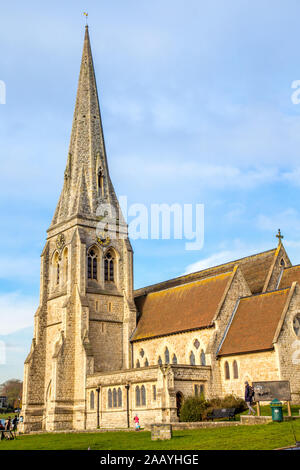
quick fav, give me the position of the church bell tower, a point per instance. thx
(86, 313)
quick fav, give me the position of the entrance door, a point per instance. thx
(179, 400)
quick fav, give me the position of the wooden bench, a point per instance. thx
(7, 434)
(220, 413)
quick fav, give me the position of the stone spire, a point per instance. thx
(87, 182)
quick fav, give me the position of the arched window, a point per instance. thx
(56, 269)
(100, 181)
(154, 392)
(138, 364)
(92, 264)
(109, 267)
(119, 397)
(235, 370)
(92, 400)
(137, 396)
(143, 393)
(282, 263)
(174, 359)
(65, 258)
(167, 356)
(227, 371)
(109, 398)
(202, 358)
(159, 362)
(192, 359)
(146, 363)
(115, 398)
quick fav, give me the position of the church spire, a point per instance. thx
(87, 182)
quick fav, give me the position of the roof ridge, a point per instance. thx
(203, 270)
(264, 293)
(290, 267)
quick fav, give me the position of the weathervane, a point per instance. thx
(86, 17)
(279, 236)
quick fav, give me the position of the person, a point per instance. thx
(137, 423)
(8, 424)
(15, 424)
(2, 436)
(249, 393)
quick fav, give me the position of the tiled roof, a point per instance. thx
(289, 276)
(180, 308)
(254, 323)
(255, 269)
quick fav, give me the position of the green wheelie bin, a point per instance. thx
(276, 407)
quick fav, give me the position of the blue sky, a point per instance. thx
(196, 107)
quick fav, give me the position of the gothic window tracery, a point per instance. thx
(92, 264)
(109, 267)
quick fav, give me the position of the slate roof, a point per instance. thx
(255, 323)
(181, 308)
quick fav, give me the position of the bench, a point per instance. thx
(220, 413)
(7, 435)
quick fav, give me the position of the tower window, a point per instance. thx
(109, 268)
(57, 273)
(100, 181)
(92, 264)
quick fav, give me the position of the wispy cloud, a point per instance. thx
(16, 312)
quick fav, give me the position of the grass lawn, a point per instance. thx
(6, 415)
(266, 411)
(259, 437)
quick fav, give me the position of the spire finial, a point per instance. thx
(86, 18)
(280, 237)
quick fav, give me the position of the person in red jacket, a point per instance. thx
(137, 423)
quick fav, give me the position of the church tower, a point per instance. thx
(86, 313)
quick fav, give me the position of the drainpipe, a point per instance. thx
(98, 407)
(127, 398)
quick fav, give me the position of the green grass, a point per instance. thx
(266, 411)
(6, 415)
(259, 437)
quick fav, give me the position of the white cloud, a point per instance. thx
(214, 260)
(16, 312)
(287, 221)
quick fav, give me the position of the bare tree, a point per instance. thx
(12, 389)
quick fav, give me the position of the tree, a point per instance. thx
(12, 389)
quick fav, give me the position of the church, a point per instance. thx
(103, 352)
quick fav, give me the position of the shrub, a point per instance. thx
(197, 408)
(193, 409)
